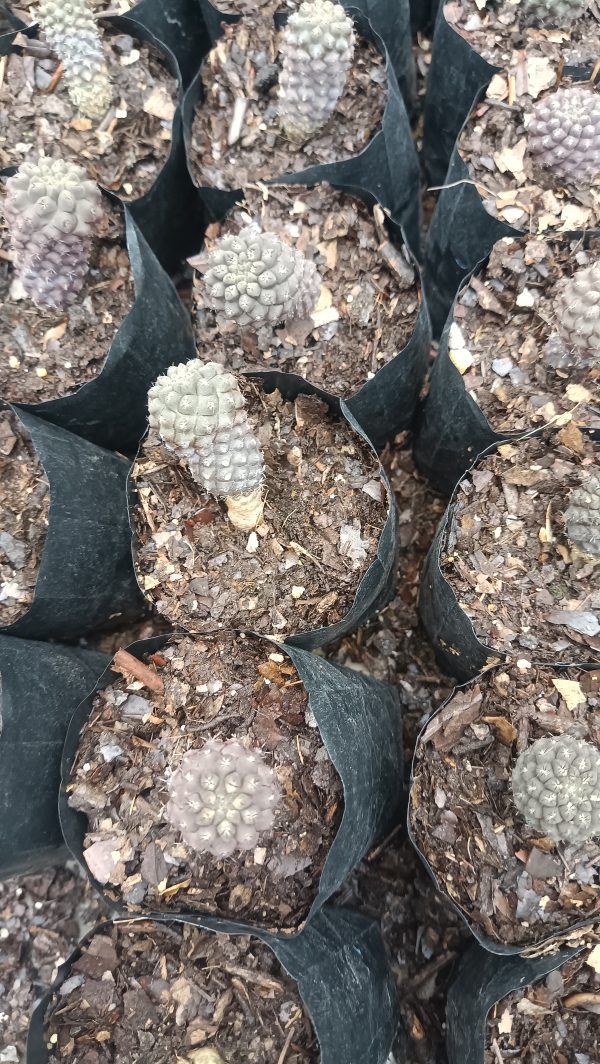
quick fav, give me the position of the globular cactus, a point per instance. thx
(577, 309)
(564, 134)
(52, 209)
(221, 797)
(551, 13)
(255, 278)
(198, 410)
(582, 515)
(556, 787)
(316, 48)
(72, 33)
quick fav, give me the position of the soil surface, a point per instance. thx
(555, 1021)
(515, 887)
(235, 136)
(520, 374)
(527, 591)
(369, 298)
(135, 739)
(493, 144)
(44, 353)
(178, 988)
(494, 32)
(24, 507)
(127, 149)
(325, 507)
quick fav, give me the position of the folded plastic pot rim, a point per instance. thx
(365, 748)
(40, 685)
(376, 586)
(490, 945)
(85, 578)
(352, 1004)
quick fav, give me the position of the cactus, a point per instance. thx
(317, 47)
(556, 787)
(198, 410)
(255, 278)
(551, 13)
(72, 34)
(578, 311)
(564, 134)
(583, 515)
(221, 797)
(51, 208)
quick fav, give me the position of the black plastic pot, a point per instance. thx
(40, 685)
(360, 723)
(86, 578)
(343, 978)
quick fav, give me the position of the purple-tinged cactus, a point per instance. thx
(72, 33)
(583, 515)
(578, 311)
(564, 134)
(556, 787)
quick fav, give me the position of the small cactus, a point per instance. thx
(556, 787)
(72, 34)
(583, 515)
(51, 208)
(221, 797)
(577, 310)
(551, 13)
(317, 47)
(198, 410)
(255, 278)
(564, 134)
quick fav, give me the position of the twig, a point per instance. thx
(57, 75)
(286, 1046)
(127, 665)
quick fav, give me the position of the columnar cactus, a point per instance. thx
(198, 410)
(564, 134)
(254, 278)
(317, 47)
(556, 787)
(52, 209)
(551, 13)
(577, 310)
(221, 797)
(72, 33)
(583, 515)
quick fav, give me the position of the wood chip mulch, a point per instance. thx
(515, 887)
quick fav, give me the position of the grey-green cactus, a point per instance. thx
(316, 48)
(72, 33)
(556, 787)
(577, 308)
(564, 134)
(254, 278)
(198, 410)
(221, 797)
(582, 515)
(550, 13)
(51, 209)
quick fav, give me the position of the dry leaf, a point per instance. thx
(512, 158)
(540, 75)
(594, 959)
(159, 104)
(505, 1023)
(505, 732)
(55, 333)
(571, 692)
(572, 438)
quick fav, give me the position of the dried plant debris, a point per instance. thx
(516, 884)
(369, 297)
(126, 148)
(514, 186)
(324, 510)
(236, 135)
(552, 1021)
(520, 348)
(45, 354)
(529, 592)
(152, 992)
(221, 688)
(24, 507)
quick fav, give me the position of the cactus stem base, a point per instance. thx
(245, 511)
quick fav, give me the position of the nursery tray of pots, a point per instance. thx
(331, 736)
(332, 570)
(40, 685)
(526, 591)
(79, 572)
(326, 998)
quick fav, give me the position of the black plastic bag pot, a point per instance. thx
(343, 978)
(39, 687)
(482, 980)
(85, 578)
(360, 723)
(111, 409)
